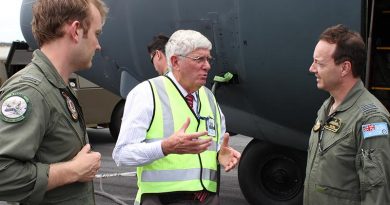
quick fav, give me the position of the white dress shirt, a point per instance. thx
(131, 148)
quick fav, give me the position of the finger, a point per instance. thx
(228, 167)
(204, 145)
(232, 164)
(197, 145)
(185, 125)
(99, 156)
(195, 135)
(234, 161)
(236, 153)
(86, 148)
(225, 142)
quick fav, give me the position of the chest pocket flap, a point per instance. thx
(331, 138)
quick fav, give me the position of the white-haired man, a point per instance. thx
(176, 163)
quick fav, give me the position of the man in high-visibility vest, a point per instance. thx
(176, 163)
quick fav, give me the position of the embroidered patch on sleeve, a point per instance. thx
(375, 129)
(14, 107)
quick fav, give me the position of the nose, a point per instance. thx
(98, 47)
(207, 65)
(312, 68)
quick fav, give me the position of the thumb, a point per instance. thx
(225, 140)
(86, 148)
(185, 125)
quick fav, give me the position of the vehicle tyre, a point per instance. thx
(270, 174)
(116, 119)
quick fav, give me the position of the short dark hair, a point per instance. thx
(349, 47)
(158, 43)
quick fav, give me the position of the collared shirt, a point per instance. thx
(130, 148)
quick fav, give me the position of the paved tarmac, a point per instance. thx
(125, 188)
(122, 189)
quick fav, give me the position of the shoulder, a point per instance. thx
(140, 90)
(28, 77)
(145, 85)
(17, 102)
(368, 105)
(207, 90)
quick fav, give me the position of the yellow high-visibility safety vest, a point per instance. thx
(179, 172)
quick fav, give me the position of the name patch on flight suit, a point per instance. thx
(333, 125)
(14, 107)
(375, 129)
(71, 107)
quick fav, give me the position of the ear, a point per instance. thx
(75, 30)
(175, 62)
(158, 54)
(346, 68)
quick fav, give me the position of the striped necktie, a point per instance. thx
(190, 100)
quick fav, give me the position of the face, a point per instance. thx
(191, 70)
(159, 62)
(89, 42)
(328, 74)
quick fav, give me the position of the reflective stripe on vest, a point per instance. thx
(177, 175)
(167, 112)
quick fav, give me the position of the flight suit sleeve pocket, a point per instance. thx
(371, 171)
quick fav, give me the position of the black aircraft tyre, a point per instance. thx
(272, 175)
(116, 119)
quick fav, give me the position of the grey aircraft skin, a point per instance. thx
(267, 45)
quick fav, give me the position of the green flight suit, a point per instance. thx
(45, 126)
(351, 164)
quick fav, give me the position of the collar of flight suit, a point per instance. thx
(48, 69)
(351, 98)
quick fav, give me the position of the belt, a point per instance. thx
(172, 197)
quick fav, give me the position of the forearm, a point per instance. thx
(61, 174)
(137, 154)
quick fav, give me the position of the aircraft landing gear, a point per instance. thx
(270, 174)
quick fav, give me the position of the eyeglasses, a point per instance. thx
(200, 59)
(152, 57)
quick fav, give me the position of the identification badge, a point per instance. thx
(334, 125)
(71, 107)
(210, 126)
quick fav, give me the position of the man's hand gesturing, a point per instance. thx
(184, 143)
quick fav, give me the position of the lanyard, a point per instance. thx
(322, 130)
